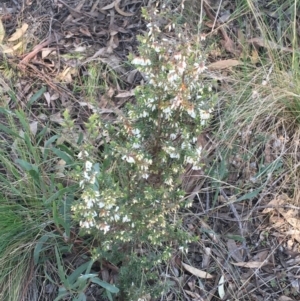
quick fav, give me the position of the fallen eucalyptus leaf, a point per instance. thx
(223, 64)
(19, 33)
(197, 272)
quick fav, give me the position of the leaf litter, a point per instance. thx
(250, 239)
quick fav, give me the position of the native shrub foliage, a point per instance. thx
(130, 189)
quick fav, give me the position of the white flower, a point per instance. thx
(189, 160)
(181, 67)
(129, 159)
(178, 56)
(185, 145)
(195, 167)
(169, 181)
(125, 219)
(199, 150)
(117, 217)
(101, 205)
(144, 114)
(136, 132)
(173, 136)
(199, 68)
(145, 176)
(105, 228)
(92, 179)
(141, 61)
(174, 155)
(167, 111)
(192, 113)
(136, 145)
(86, 176)
(172, 76)
(88, 166)
(83, 154)
(204, 114)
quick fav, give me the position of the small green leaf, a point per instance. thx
(81, 297)
(109, 295)
(27, 166)
(250, 195)
(47, 143)
(9, 131)
(80, 138)
(60, 193)
(61, 272)
(36, 96)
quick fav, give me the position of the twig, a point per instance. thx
(237, 218)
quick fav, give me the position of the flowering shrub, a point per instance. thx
(129, 192)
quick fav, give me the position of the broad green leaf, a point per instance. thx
(76, 274)
(66, 149)
(107, 286)
(38, 248)
(62, 155)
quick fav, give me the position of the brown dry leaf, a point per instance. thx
(229, 46)
(261, 42)
(121, 12)
(261, 256)
(19, 33)
(285, 298)
(275, 203)
(33, 127)
(2, 31)
(206, 257)
(294, 233)
(195, 296)
(223, 64)
(233, 250)
(250, 264)
(196, 272)
(125, 94)
(131, 76)
(109, 6)
(7, 49)
(84, 30)
(46, 52)
(254, 57)
(60, 168)
(48, 98)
